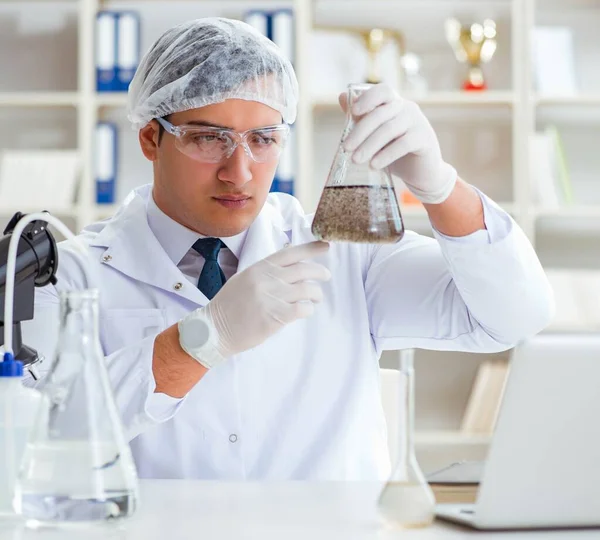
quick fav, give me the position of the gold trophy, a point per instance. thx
(374, 39)
(473, 45)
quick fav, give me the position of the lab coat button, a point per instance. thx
(287, 244)
(232, 437)
(107, 258)
(178, 286)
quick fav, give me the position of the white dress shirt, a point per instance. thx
(177, 241)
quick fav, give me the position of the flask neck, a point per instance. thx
(407, 443)
(79, 320)
(353, 93)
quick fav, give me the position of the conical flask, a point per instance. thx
(77, 465)
(358, 203)
(407, 500)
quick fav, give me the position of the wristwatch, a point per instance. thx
(198, 337)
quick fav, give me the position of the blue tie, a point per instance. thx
(212, 277)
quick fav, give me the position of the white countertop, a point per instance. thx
(182, 509)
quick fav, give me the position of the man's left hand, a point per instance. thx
(393, 132)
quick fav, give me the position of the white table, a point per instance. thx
(196, 510)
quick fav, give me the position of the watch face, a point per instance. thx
(196, 333)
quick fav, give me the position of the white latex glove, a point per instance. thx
(273, 292)
(393, 132)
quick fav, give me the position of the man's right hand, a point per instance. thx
(268, 295)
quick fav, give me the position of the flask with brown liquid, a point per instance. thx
(358, 203)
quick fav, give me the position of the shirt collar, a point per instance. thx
(177, 239)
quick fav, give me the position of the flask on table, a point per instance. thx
(77, 465)
(407, 500)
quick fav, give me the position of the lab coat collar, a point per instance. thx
(266, 235)
(176, 239)
(132, 248)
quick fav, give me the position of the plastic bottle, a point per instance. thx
(18, 408)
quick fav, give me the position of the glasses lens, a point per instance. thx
(213, 145)
(205, 145)
(266, 144)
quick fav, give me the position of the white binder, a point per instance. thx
(128, 48)
(106, 53)
(282, 32)
(258, 19)
(106, 162)
(286, 169)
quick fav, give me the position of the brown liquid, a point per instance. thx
(366, 214)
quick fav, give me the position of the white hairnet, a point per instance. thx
(207, 61)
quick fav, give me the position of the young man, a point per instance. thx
(237, 346)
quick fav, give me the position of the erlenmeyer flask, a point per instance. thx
(77, 465)
(358, 203)
(407, 500)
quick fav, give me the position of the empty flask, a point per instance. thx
(77, 465)
(407, 500)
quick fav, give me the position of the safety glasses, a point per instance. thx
(212, 145)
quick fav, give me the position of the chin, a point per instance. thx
(224, 226)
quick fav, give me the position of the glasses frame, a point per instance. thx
(238, 137)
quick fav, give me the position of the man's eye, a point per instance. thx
(208, 138)
(264, 139)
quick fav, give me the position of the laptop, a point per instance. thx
(543, 465)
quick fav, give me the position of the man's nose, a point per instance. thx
(236, 169)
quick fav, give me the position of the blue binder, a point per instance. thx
(260, 20)
(277, 25)
(286, 169)
(282, 32)
(106, 51)
(128, 48)
(106, 162)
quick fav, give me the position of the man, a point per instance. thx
(239, 348)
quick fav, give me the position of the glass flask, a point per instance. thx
(358, 203)
(407, 500)
(77, 466)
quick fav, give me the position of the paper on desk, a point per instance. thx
(461, 472)
(577, 297)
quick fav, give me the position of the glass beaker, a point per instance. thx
(407, 499)
(358, 203)
(77, 465)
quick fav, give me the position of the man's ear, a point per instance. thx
(148, 137)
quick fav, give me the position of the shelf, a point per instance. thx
(111, 99)
(439, 99)
(569, 211)
(39, 99)
(65, 212)
(581, 100)
(435, 6)
(450, 438)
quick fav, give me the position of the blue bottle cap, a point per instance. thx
(11, 367)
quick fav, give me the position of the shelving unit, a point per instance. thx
(39, 99)
(484, 134)
(438, 99)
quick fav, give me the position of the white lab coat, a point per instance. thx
(305, 404)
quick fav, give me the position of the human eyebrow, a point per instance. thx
(203, 123)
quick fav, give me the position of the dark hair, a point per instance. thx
(161, 129)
